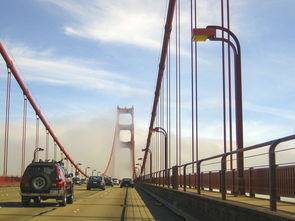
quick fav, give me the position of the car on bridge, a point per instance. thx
(127, 182)
(46, 180)
(109, 181)
(116, 181)
(96, 182)
(77, 181)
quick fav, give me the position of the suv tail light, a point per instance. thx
(57, 172)
(60, 184)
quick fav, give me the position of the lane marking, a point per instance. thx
(124, 206)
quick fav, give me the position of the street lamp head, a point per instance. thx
(202, 34)
(153, 130)
(39, 149)
(140, 158)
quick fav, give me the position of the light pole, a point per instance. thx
(77, 173)
(202, 34)
(151, 161)
(139, 166)
(93, 171)
(86, 170)
(140, 158)
(36, 153)
(161, 130)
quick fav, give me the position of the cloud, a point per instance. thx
(139, 23)
(130, 21)
(282, 113)
(45, 66)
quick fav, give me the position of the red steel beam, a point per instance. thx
(34, 105)
(166, 39)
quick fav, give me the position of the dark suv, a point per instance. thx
(96, 182)
(46, 180)
(127, 182)
(109, 181)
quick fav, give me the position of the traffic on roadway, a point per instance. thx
(114, 203)
(47, 191)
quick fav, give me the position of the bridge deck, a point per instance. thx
(112, 204)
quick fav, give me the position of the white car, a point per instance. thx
(116, 181)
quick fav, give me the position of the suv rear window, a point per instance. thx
(33, 170)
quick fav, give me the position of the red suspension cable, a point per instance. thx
(33, 104)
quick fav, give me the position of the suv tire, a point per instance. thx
(40, 182)
(64, 200)
(70, 199)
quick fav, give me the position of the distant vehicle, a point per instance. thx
(115, 181)
(96, 182)
(83, 181)
(46, 180)
(77, 181)
(109, 181)
(127, 182)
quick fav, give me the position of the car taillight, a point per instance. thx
(57, 172)
(60, 184)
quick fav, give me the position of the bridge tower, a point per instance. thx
(123, 138)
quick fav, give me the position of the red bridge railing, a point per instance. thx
(275, 180)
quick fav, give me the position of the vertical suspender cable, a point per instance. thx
(179, 83)
(223, 81)
(24, 135)
(47, 145)
(196, 87)
(67, 163)
(162, 120)
(157, 143)
(20, 82)
(169, 104)
(37, 135)
(166, 39)
(55, 151)
(6, 132)
(166, 107)
(176, 83)
(192, 90)
(229, 88)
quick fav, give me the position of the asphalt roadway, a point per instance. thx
(112, 204)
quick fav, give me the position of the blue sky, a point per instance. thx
(80, 59)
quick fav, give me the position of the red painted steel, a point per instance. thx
(9, 180)
(116, 139)
(34, 105)
(166, 39)
(204, 31)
